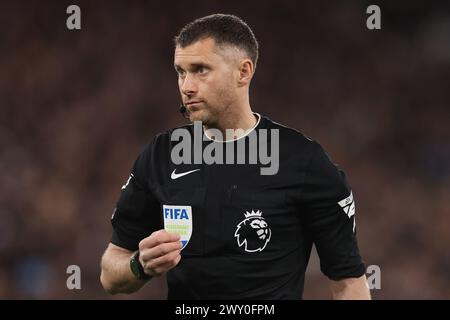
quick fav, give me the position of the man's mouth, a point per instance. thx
(192, 103)
(193, 106)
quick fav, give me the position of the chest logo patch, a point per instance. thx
(253, 232)
(178, 219)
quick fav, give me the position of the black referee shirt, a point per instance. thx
(252, 234)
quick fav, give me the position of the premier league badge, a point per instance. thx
(253, 233)
(178, 219)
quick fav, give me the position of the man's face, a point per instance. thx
(207, 79)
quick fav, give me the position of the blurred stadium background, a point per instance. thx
(77, 107)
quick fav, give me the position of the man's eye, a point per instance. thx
(201, 70)
(181, 73)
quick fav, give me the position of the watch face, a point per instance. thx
(134, 267)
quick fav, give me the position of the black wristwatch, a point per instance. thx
(136, 267)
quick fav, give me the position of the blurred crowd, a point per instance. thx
(76, 107)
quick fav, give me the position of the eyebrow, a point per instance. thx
(194, 65)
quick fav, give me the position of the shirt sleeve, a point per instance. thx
(136, 214)
(330, 217)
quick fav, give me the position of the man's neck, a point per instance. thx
(241, 123)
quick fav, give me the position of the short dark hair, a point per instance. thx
(224, 29)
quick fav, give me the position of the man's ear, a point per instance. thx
(246, 69)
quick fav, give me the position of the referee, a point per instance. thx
(226, 229)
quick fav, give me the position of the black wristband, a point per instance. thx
(136, 267)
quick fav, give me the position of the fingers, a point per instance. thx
(159, 251)
(157, 238)
(163, 264)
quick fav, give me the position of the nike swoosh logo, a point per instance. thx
(174, 175)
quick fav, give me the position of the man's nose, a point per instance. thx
(189, 85)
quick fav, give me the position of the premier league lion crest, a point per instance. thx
(253, 232)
